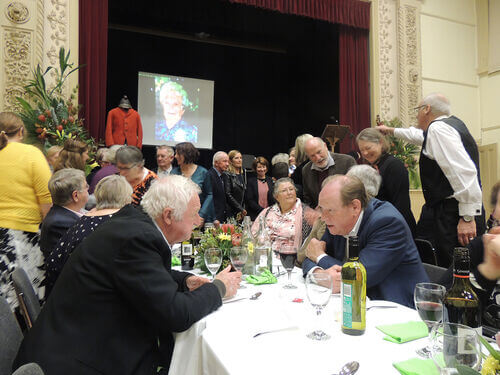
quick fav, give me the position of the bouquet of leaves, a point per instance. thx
(224, 238)
(406, 152)
(49, 117)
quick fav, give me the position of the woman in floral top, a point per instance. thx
(285, 220)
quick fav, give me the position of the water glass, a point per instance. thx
(213, 260)
(238, 256)
(319, 290)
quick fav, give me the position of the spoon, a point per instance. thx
(349, 368)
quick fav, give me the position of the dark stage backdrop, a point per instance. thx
(276, 76)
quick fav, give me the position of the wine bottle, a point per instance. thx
(461, 304)
(353, 289)
(247, 241)
(262, 251)
(187, 255)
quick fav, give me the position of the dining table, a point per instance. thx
(225, 341)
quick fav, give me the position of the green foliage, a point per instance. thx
(408, 153)
(48, 116)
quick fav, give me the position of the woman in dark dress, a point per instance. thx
(395, 184)
(259, 193)
(112, 193)
(235, 184)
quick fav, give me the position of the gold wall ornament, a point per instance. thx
(17, 12)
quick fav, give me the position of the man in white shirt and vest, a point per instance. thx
(449, 171)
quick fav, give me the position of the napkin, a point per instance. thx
(404, 332)
(175, 261)
(266, 277)
(417, 366)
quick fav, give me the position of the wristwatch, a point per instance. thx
(467, 218)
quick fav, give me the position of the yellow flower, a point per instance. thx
(224, 237)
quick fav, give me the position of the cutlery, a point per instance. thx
(380, 307)
(253, 298)
(272, 331)
(349, 368)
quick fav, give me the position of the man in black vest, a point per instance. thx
(449, 171)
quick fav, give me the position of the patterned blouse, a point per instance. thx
(143, 186)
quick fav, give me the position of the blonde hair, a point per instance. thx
(10, 124)
(71, 156)
(231, 154)
(113, 192)
(52, 151)
(300, 152)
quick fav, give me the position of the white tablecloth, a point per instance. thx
(223, 343)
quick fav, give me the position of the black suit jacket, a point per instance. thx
(55, 224)
(114, 299)
(219, 195)
(252, 196)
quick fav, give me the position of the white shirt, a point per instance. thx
(445, 146)
(328, 165)
(164, 173)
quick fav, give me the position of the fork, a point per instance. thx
(380, 307)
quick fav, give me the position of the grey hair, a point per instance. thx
(280, 158)
(113, 192)
(99, 155)
(110, 155)
(368, 176)
(217, 156)
(129, 155)
(280, 182)
(169, 149)
(300, 153)
(64, 182)
(174, 192)
(439, 104)
(374, 136)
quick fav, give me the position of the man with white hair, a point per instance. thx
(449, 171)
(117, 296)
(164, 158)
(220, 165)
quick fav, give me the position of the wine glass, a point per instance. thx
(288, 256)
(213, 260)
(429, 304)
(454, 345)
(238, 256)
(319, 289)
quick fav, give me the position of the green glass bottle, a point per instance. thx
(353, 289)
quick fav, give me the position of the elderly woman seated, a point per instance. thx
(112, 193)
(285, 219)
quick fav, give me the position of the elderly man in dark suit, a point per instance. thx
(387, 250)
(117, 296)
(70, 192)
(220, 165)
(321, 165)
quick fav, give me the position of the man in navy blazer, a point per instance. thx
(70, 192)
(387, 250)
(220, 165)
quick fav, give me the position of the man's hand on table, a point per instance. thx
(334, 272)
(194, 282)
(230, 279)
(315, 249)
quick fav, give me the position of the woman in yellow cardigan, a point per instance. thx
(24, 202)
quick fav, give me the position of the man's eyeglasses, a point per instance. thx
(417, 109)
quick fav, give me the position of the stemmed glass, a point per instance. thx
(319, 290)
(213, 260)
(429, 304)
(238, 256)
(288, 256)
(454, 345)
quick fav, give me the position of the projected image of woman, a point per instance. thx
(174, 100)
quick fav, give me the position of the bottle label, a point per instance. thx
(347, 305)
(187, 249)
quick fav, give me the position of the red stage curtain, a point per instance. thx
(354, 94)
(93, 49)
(354, 13)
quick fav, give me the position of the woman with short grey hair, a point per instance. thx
(395, 187)
(112, 193)
(368, 176)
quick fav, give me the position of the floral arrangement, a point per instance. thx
(224, 238)
(51, 118)
(406, 152)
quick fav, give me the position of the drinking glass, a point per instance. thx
(319, 290)
(213, 260)
(238, 256)
(454, 345)
(288, 256)
(429, 304)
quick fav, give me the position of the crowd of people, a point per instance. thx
(97, 248)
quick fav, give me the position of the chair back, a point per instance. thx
(427, 251)
(29, 369)
(10, 337)
(28, 300)
(434, 272)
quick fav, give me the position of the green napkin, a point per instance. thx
(175, 261)
(404, 332)
(266, 277)
(417, 366)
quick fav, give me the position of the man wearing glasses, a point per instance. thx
(449, 171)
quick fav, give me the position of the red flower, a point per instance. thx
(38, 130)
(226, 228)
(48, 113)
(60, 128)
(71, 119)
(41, 118)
